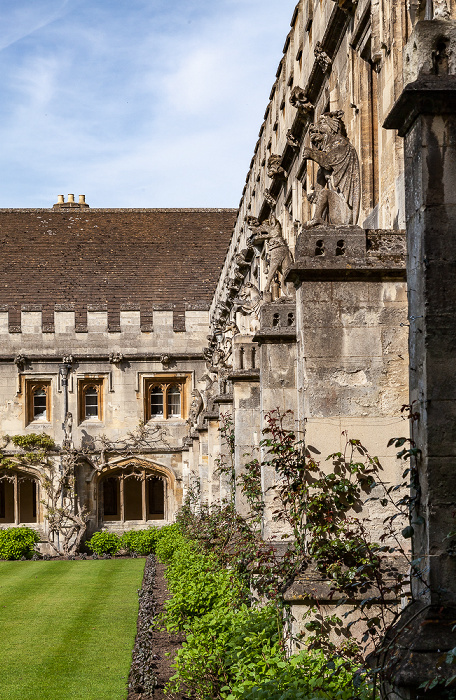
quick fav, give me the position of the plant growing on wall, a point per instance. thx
(66, 521)
(321, 505)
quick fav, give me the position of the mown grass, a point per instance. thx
(67, 628)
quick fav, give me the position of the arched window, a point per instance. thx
(90, 394)
(174, 401)
(38, 404)
(91, 409)
(164, 399)
(156, 401)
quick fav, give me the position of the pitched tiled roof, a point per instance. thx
(130, 258)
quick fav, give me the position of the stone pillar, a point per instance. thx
(425, 115)
(224, 403)
(245, 379)
(277, 341)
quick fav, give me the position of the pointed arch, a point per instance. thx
(20, 496)
(133, 491)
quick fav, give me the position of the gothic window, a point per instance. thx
(90, 399)
(156, 401)
(174, 401)
(165, 398)
(38, 401)
(91, 402)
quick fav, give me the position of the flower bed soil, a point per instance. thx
(151, 665)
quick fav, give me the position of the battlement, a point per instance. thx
(97, 329)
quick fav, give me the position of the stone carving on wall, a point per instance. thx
(68, 431)
(441, 9)
(20, 361)
(322, 57)
(270, 199)
(249, 303)
(336, 194)
(274, 167)
(292, 141)
(279, 254)
(298, 99)
(116, 358)
(196, 407)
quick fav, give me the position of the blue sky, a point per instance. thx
(134, 103)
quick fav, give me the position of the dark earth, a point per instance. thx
(153, 645)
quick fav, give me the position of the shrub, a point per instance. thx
(235, 650)
(104, 543)
(140, 541)
(18, 542)
(169, 539)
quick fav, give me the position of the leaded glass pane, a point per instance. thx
(174, 401)
(39, 404)
(91, 402)
(156, 402)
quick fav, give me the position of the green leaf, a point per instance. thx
(407, 532)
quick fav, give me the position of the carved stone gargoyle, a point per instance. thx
(322, 57)
(249, 303)
(336, 194)
(278, 250)
(270, 199)
(292, 141)
(274, 167)
(196, 407)
(298, 99)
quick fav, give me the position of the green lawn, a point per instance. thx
(67, 628)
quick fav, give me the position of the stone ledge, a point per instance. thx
(302, 272)
(429, 95)
(244, 375)
(275, 335)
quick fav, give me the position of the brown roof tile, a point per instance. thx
(118, 257)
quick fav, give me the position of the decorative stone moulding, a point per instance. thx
(270, 199)
(322, 58)
(292, 141)
(275, 169)
(298, 99)
(116, 358)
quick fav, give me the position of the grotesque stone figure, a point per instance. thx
(278, 251)
(322, 57)
(275, 168)
(68, 431)
(298, 99)
(249, 302)
(196, 407)
(337, 191)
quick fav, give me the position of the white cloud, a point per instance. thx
(141, 104)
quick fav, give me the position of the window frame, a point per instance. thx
(31, 386)
(166, 382)
(85, 383)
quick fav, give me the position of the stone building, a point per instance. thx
(133, 332)
(103, 323)
(310, 311)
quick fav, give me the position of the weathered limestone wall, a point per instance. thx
(121, 362)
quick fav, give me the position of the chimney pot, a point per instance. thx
(60, 199)
(82, 199)
(71, 198)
